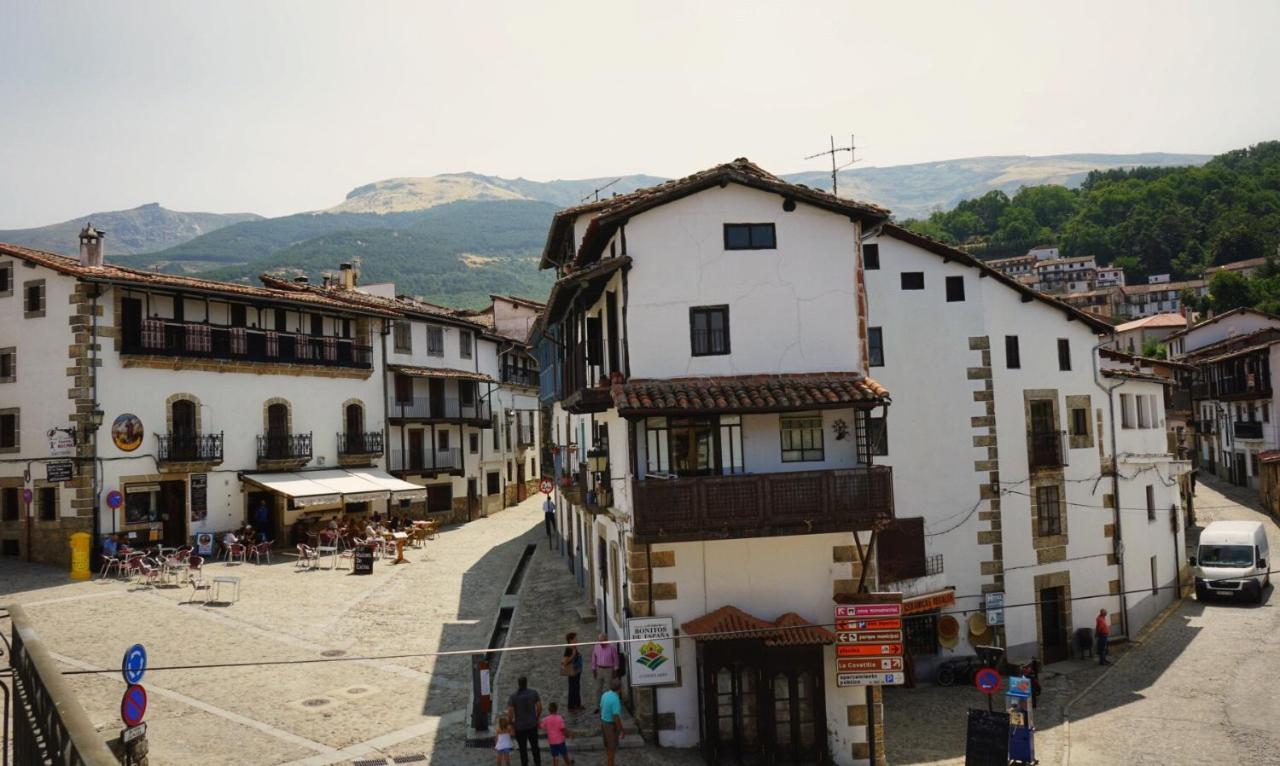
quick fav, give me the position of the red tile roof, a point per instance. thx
(747, 393)
(439, 372)
(400, 305)
(151, 279)
(1155, 320)
(1149, 377)
(730, 623)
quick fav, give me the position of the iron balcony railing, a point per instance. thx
(189, 448)
(1248, 429)
(761, 505)
(426, 461)
(203, 341)
(360, 443)
(446, 408)
(520, 377)
(284, 446)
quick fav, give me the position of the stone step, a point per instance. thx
(586, 612)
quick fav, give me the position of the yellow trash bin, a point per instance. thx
(80, 556)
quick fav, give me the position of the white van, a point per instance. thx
(1232, 559)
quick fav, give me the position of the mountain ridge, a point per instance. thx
(141, 229)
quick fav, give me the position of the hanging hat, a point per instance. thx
(948, 631)
(977, 624)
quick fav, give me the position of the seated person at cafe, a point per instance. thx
(229, 539)
(110, 546)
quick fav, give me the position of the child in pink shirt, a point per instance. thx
(553, 724)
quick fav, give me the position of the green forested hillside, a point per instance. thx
(138, 230)
(1146, 220)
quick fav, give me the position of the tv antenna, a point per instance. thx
(833, 151)
(596, 193)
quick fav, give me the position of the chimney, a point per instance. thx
(300, 280)
(91, 246)
(347, 277)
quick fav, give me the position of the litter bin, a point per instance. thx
(80, 556)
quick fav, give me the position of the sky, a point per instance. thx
(274, 107)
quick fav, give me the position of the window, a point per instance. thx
(709, 330)
(1079, 421)
(473, 443)
(47, 503)
(442, 441)
(33, 298)
(404, 390)
(464, 344)
(749, 236)
(9, 503)
(913, 280)
(6, 279)
(879, 435)
(509, 471)
(9, 430)
(1064, 354)
(875, 347)
(492, 483)
(657, 447)
(467, 393)
(1266, 413)
(920, 633)
(1126, 410)
(1155, 589)
(1253, 463)
(435, 341)
(1151, 502)
(1012, 359)
(1048, 511)
(282, 320)
(871, 257)
(955, 289)
(493, 423)
(801, 438)
(403, 337)
(1144, 418)
(8, 364)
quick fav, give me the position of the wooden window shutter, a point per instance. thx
(595, 341)
(901, 550)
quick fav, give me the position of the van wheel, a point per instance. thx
(1257, 593)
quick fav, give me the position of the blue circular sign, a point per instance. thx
(987, 680)
(114, 499)
(134, 705)
(134, 664)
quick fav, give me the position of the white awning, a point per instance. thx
(301, 489)
(328, 487)
(400, 490)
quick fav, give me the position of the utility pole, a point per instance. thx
(833, 151)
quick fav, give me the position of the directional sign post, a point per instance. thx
(869, 641)
(133, 706)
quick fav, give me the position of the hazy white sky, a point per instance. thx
(276, 107)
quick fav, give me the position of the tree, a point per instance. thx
(1153, 349)
(1230, 290)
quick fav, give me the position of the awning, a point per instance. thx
(328, 487)
(927, 602)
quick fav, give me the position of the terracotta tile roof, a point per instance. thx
(146, 279)
(747, 393)
(1149, 377)
(609, 212)
(1192, 284)
(1224, 315)
(401, 305)
(439, 372)
(1250, 263)
(1269, 456)
(1155, 320)
(731, 623)
(1230, 346)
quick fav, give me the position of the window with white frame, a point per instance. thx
(435, 341)
(464, 344)
(8, 364)
(802, 438)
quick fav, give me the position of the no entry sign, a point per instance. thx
(134, 705)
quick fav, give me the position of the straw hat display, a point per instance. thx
(948, 631)
(979, 631)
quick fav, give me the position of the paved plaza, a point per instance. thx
(325, 712)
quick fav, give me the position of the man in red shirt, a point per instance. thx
(1102, 634)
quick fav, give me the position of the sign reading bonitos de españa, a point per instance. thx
(651, 651)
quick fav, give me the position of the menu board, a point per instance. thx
(987, 740)
(363, 561)
(199, 496)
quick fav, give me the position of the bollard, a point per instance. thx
(80, 556)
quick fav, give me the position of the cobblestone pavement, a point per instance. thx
(1197, 688)
(400, 704)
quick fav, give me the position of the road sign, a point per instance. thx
(869, 665)
(869, 610)
(1019, 686)
(114, 499)
(27, 494)
(994, 603)
(870, 637)
(890, 623)
(134, 705)
(869, 650)
(134, 664)
(987, 680)
(132, 733)
(869, 679)
(545, 486)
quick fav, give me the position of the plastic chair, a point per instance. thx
(148, 571)
(306, 555)
(237, 551)
(260, 550)
(195, 568)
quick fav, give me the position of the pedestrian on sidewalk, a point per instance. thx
(604, 665)
(554, 726)
(524, 709)
(502, 744)
(1102, 635)
(549, 520)
(571, 668)
(611, 720)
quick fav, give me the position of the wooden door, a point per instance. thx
(731, 695)
(131, 320)
(1053, 627)
(440, 497)
(416, 462)
(521, 491)
(173, 512)
(435, 389)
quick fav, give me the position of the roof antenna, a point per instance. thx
(833, 151)
(596, 192)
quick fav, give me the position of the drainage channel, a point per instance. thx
(501, 629)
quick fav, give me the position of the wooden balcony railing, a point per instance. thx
(761, 505)
(201, 341)
(1248, 429)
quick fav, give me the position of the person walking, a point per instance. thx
(523, 710)
(611, 720)
(604, 665)
(549, 520)
(554, 726)
(1102, 635)
(571, 668)
(502, 744)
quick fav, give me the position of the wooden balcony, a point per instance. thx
(761, 505)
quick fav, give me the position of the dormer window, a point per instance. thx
(750, 236)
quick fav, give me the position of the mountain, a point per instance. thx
(395, 195)
(912, 191)
(140, 230)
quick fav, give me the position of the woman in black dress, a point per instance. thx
(571, 668)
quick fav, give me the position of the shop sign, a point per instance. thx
(126, 432)
(871, 637)
(362, 562)
(199, 496)
(62, 441)
(60, 470)
(868, 665)
(929, 601)
(870, 679)
(652, 651)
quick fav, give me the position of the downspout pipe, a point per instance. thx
(97, 465)
(1118, 544)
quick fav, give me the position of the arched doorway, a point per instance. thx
(183, 434)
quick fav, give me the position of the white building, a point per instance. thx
(1109, 276)
(714, 378)
(1159, 297)
(180, 405)
(1132, 336)
(999, 438)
